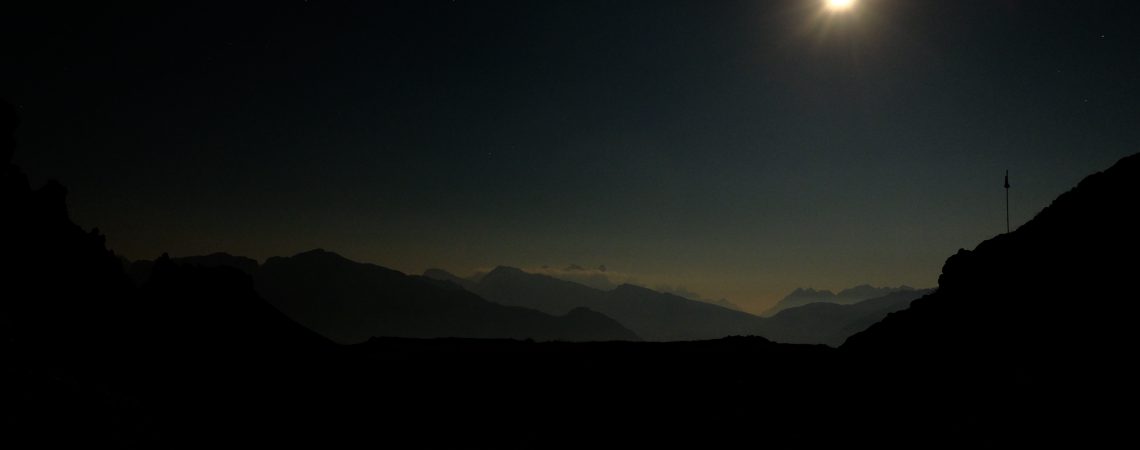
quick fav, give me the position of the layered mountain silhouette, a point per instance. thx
(832, 323)
(350, 302)
(806, 296)
(652, 315)
(660, 316)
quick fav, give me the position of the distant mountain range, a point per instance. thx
(652, 315)
(657, 316)
(805, 296)
(832, 323)
(350, 302)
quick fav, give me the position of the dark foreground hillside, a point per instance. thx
(196, 359)
(1038, 324)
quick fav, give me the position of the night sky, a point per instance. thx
(736, 149)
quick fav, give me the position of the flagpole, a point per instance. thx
(1007, 201)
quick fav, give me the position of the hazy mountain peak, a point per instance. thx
(443, 275)
(831, 323)
(805, 296)
(500, 271)
(321, 257)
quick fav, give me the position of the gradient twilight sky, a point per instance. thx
(737, 149)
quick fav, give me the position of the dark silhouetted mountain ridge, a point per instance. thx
(650, 314)
(443, 275)
(832, 323)
(350, 302)
(660, 316)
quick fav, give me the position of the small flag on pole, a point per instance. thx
(1007, 201)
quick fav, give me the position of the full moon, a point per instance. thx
(839, 5)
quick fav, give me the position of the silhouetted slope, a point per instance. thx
(90, 360)
(833, 323)
(61, 283)
(1037, 324)
(652, 315)
(67, 323)
(807, 296)
(1031, 289)
(69, 290)
(350, 302)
